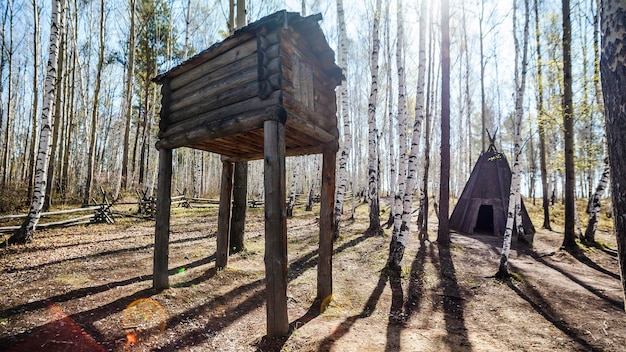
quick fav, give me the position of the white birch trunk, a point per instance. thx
(402, 122)
(372, 167)
(590, 232)
(514, 194)
(342, 97)
(401, 228)
(26, 231)
(294, 187)
(197, 172)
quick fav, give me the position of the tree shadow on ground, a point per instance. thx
(531, 295)
(253, 301)
(88, 291)
(453, 301)
(107, 253)
(581, 257)
(369, 307)
(593, 290)
(401, 311)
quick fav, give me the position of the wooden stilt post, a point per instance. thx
(238, 217)
(275, 229)
(223, 220)
(162, 227)
(327, 202)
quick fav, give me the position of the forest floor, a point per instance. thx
(89, 289)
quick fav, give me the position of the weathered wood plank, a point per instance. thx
(58, 212)
(223, 220)
(215, 90)
(253, 103)
(218, 75)
(208, 103)
(302, 124)
(236, 52)
(318, 149)
(275, 229)
(295, 107)
(160, 278)
(248, 121)
(327, 200)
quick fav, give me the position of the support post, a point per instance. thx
(327, 201)
(162, 227)
(223, 220)
(238, 217)
(275, 229)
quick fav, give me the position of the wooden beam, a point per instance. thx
(235, 49)
(162, 228)
(223, 220)
(327, 204)
(275, 229)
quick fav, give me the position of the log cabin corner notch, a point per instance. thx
(265, 92)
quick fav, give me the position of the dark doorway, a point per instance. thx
(484, 221)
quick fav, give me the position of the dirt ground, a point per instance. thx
(89, 289)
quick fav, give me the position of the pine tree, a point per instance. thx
(613, 68)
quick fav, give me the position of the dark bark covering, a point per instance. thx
(613, 68)
(443, 235)
(569, 240)
(238, 216)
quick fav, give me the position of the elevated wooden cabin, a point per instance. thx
(265, 92)
(279, 67)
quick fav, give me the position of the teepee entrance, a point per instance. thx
(484, 222)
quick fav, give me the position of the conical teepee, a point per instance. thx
(484, 202)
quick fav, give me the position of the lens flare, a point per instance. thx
(143, 319)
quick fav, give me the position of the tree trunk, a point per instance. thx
(541, 124)
(372, 165)
(294, 185)
(514, 193)
(613, 68)
(94, 112)
(35, 107)
(6, 158)
(26, 231)
(569, 240)
(443, 233)
(238, 214)
(402, 126)
(401, 229)
(58, 112)
(128, 95)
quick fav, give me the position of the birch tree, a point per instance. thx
(401, 229)
(372, 164)
(35, 105)
(402, 124)
(342, 102)
(613, 68)
(514, 193)
(25, 233)
(594, 202)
